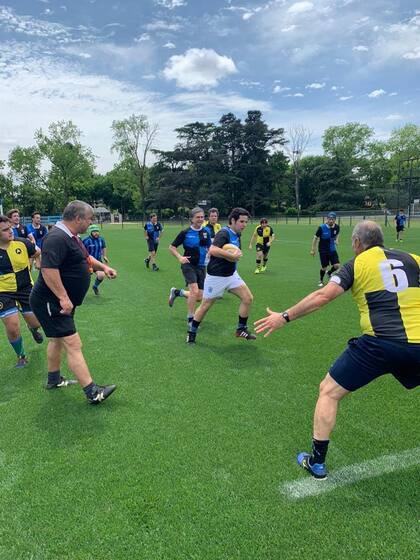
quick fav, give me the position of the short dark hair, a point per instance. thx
(153, 215)
(11, 212)
(35, 214)
(236, 212)
(213, 210)
(263, 221)
(4, 219)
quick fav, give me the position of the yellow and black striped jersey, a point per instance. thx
(213, 228)
(385, 284)
(263, 234)
(14, 265)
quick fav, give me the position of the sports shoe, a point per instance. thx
(317, 470)
(244, 333)
(147, 262)
(155, 268)
(95, 290)
(37, 336)
(263, 268)
(102, 393)
(62, 383)
(257, 270)
(191, 337)
(320, 284)
(22, 362)
(172, 296)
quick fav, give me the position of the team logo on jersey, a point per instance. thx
(18, 251)
(1, 306)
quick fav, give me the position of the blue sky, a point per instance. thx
(313, 63)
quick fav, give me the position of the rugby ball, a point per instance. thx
(230, 247)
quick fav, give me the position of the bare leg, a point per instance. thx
(75, 359)
(54, 350)
(202, 310)
(31, 320)
(245, 295)
(330, 394)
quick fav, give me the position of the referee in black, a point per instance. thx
(61, 286)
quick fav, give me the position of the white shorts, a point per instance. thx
(214, 286)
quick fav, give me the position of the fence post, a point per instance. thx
(350, 220)
(287, 217)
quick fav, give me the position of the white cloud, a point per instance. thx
(376, 93)
(143, 37)
(171, 4)
(345, 97)
(198, 68)
(361, 48)
(213, 103)
(412, 55)
(280, 89)
(161, 25)
(394, 117)
(300, 7)
(247, 15)
(298, 95)
(315, 85)
(288, 28)
(393, 94)
(169, 45)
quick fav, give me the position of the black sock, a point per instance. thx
(258, 261)
(90, 389)
(265, 262)
(54, 377)
(33, 329)
(319, 451)
(242, 323)
(321, 274)
(194, 325)
(331, 271)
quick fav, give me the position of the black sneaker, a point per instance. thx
(244, 333)
(102, 393)
(37, 336)
(172, 296)
(62, 383)
(155, 268)
(147, 262)
(191, 337)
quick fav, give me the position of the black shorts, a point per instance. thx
(11, 302)
(369, 357)
(53, 323)
(329, 258)
(194, 274)
(262, 247)
(399, 228)
(152, 245)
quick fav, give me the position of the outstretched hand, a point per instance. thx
(270, 323)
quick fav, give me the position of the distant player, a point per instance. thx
(222, 276)
(196, 242)
(212, 223)
(264, 235)
(326, 237)
(153, 233)
(39, 232)
(15, 288)
(18, 229)
(96, 247)
(400, 220)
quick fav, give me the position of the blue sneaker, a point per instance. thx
(317, 470)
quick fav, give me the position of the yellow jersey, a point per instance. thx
(263, 234)
(15, 266)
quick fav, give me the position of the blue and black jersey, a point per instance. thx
(39, 233)
(196, 243)
(217, 265)
(95, 246)
(400, 220)
(20, 231)
(153, 230)
(327, 237)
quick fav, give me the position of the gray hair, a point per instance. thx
(195, 211)
(76, 209)
(368, 233)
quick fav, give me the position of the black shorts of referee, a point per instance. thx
(53, 323)
(263, 247)
(194, 274)
(329, 258)
(152, 245)
(369, 357)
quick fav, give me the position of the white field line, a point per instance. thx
(304, 488)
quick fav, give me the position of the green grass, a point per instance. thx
(186, 460)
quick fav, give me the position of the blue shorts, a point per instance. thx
(369, 357)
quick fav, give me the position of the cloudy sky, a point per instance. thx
(317, 63)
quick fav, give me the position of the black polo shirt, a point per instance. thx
(69, 256)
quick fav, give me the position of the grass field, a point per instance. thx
(190, 457)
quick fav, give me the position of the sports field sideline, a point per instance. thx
(194, 456)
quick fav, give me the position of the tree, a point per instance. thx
(71, 163)
(348, 142)
(297, 141)
(133, 140)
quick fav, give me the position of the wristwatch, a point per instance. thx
(285, 316)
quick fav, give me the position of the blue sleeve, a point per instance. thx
(103, 243)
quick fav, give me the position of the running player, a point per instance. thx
(264, 235)
(152, 232)
(222, 276)
(196, 242)
(15, 288)
(400, 220)
(96, 247)
(326, 237)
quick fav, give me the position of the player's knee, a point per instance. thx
(73, 343)
(248, 299)
(194, 292)
(13, 332)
